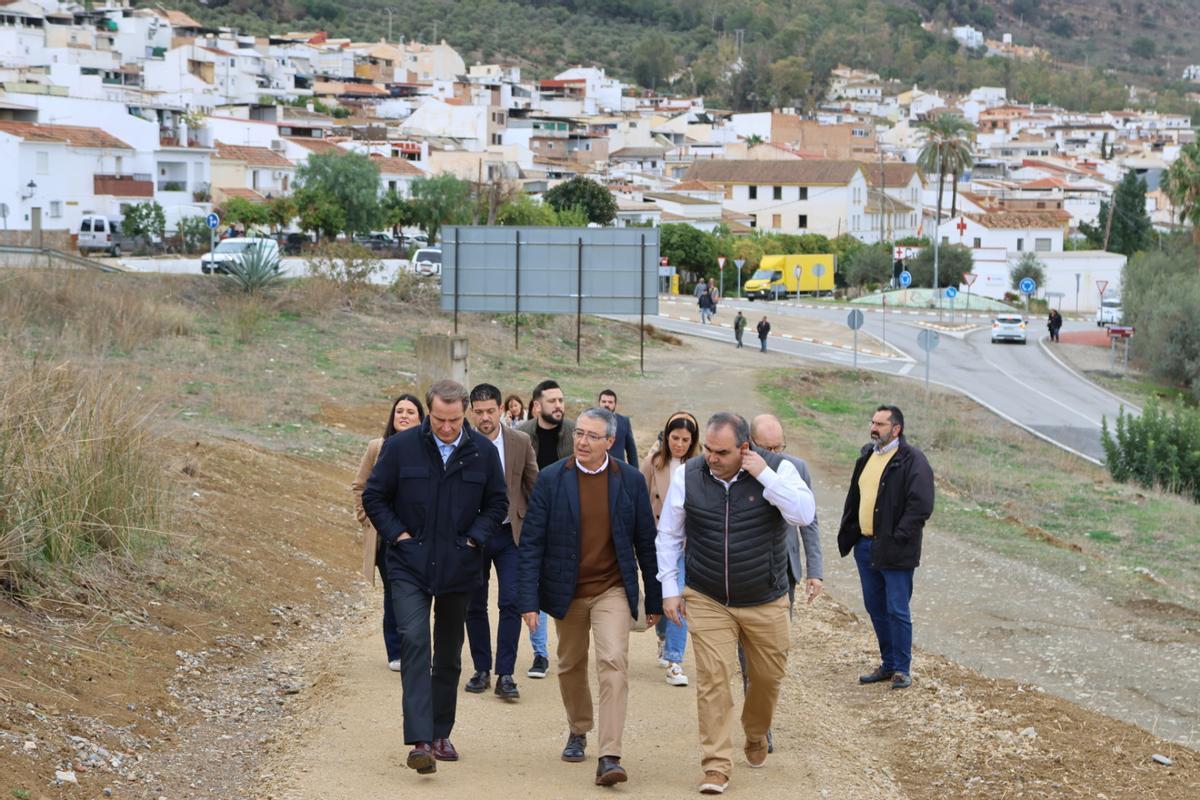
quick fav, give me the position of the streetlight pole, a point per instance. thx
(937, 220)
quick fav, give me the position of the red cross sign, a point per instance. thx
(962, 227)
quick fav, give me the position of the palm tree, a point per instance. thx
(947, 151)
(753, 140)
(1182, 185)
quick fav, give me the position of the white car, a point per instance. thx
(1109, 313)
(232, 250)
(1009, 328)
(427, 261)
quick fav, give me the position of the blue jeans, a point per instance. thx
(501, 551)
(537, 639)
(391, 636)
(676, 635)
(886, 594)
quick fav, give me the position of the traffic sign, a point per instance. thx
(720, 262)
(905, 279)
(818, 270)
(951, 293)
(854, 320)
(739, 262)
(1101, 286)
(928, 340)
(969, 278)
(902, 253)
(1121, 331)
(1028, 286)
(212, 221)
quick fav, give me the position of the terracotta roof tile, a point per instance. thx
(1015, 220)
(241, 193)
(895, 173)
(396, 166)
(74, 135)
(255, 156)
(797, 172)
(313, 144)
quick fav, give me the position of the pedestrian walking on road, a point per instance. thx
(890, 498)
(707, 307)
(701, 288)
(519, 464)
(588, 531)
(406, 413)
(436, 496)
(729, 512)
(681, 441)
(764, 329)
(624, 448)
(739, 327)
(1054, 324)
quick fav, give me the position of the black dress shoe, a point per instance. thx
(506, 687)
(610, 771)
(479, 682)
(573, 752)
(878, 675)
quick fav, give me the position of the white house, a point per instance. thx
(794, 196)
(1192, 73)
(435, 118)
(1011, 231)
(22, 34)
(967, 36)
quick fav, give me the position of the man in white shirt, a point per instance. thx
(732, 507)
(519, 464)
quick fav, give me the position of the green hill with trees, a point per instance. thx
(750, 55)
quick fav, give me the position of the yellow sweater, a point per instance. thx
(868, 489)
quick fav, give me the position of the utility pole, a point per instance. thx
(389, 13)
(937, 221)
(1112, 203)
(882, 192)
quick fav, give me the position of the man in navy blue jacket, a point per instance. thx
(436, 495)
(624, 447)
(588, 530)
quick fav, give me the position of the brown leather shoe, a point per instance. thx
(714, 782)
(756, 753)
(444, 751)
(421, 758)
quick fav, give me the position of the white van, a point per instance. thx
(427, 261)
(1109, 312)
(99, 233)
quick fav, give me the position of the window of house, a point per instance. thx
(802, 221)
(945, 241)
(977, 243)
(753, 192)
(1041, 245)
(803, 192)
(43, 162)
(1020, 244)
(1041, 204)
(55, 209)
(777, 192)
(776, 221)
(391, 186)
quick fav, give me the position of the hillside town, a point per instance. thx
(107, 106)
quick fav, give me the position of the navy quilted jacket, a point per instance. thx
(548, 556)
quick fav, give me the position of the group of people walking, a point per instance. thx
(707, 536)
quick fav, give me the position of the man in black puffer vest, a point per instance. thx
(732, 507)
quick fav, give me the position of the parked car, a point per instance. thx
(293, 243)
(232, 250)
(1109, 313)
(419, 239)
(427, 261)
(100, 233)
(1009, 328)
(379, 242)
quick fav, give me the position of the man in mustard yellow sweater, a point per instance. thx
(890, 498)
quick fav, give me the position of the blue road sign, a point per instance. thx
(1028, 286)
(951, 293)
(212, 221)
(905, 279)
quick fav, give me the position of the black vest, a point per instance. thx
(736, 541)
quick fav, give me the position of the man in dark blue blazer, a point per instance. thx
(588, 530)
(436, 495)
(623, 446)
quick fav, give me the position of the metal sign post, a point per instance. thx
(578, 301)
(517, 296)
(1100, 287)
(884, 321)
(721, 276)
(905, 282)
(854, 320)
(928, 341)
(739, 263)
(951, 293)
(818, 272)
(642, 307)
(1027, 286)
(969, 278)
(212, 221)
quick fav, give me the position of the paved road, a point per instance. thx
(1024, 384)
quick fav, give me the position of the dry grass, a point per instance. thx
(79, 472)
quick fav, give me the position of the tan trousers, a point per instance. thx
(606, 618)
(715, 630)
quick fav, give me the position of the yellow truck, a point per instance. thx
(781, 276)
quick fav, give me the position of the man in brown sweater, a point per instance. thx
(588, 530)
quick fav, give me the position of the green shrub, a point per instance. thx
(1157, 449)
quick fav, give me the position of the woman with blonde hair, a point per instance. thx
(679, 441)
(406, 413)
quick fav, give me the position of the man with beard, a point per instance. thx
(550, 434)
(890, 498)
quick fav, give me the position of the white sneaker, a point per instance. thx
(394, 666)
(675, 676)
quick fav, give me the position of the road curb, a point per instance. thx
(1046, 349)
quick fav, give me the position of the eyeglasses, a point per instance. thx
(593, 437)
(779, 448)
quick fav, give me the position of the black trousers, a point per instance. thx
(430, 665)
